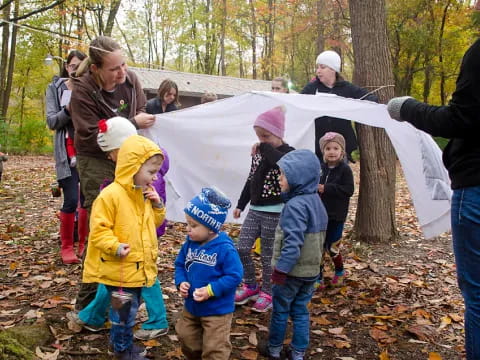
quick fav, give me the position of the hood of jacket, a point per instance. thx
(134, 151)
(302, 170)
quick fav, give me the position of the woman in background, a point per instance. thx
(59, 119)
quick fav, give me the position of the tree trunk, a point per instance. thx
(254, 39)
(114, 6)
(375, 218)
(320, 27)
(11, 61)
(4, 58)
(223, 67)
(129, 49)
(443, 79)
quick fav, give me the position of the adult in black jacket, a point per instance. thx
(167, 99)
(329, 80)
(459, 121)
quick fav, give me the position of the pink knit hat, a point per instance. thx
(272, 120)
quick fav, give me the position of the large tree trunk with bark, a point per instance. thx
(375, 218)
(4, 60)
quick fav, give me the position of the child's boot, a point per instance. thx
(67, 226)
(292, 354)
(82, 229)
(264, 350)
(339, 276)
(246, 293)
(135, 352)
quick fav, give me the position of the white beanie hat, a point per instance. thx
(112, 132)
(331, 59)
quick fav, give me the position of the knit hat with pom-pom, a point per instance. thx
(209, 208)
(112, 132)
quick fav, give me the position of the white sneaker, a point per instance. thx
(149, 334)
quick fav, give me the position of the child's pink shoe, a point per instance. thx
(338, 279)
(263, 303)
(320, 285)
(244, 294)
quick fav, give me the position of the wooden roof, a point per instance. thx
(190, 84)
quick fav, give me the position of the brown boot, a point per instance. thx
(82, 230)
(67, 226)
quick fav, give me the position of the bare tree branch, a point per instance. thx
(5, 4)
(51, 6)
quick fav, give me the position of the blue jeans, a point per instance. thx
(291, 300)
(123, 320)
(466, 246)
(94, 313)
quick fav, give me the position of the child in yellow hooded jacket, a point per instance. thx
(123, 246)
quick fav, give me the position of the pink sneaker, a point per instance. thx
(244, 294)
(263, 303)
(338, 279)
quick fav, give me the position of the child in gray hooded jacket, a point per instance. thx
(297, 252)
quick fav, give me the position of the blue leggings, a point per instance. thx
(94, 313)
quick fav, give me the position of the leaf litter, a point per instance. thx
(399, 301)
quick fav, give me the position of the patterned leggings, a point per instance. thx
(258, 224)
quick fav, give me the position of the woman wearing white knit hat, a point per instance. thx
(329, 80)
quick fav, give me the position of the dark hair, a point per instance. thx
(165, 87)
(208, 97)
(282, 81)
(74, 53)
(99, 48)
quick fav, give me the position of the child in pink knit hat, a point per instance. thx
(262, 190)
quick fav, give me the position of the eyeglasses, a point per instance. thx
(276, 88)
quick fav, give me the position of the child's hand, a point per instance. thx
(321, 188)
(254, 149)
(201, 294)
(153, 196)
(183, 289)
(236, 213)
(123, 250)
(278, 277)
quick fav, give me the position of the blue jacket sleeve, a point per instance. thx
(232, 274)
(180, 272)
(294, 225)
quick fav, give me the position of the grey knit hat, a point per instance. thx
(395, 105)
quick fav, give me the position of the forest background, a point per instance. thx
(258, 39)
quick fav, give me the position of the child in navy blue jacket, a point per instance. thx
(207, 272)
(335, 189)
(297, 253)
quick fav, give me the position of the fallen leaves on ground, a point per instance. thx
(400, 301)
